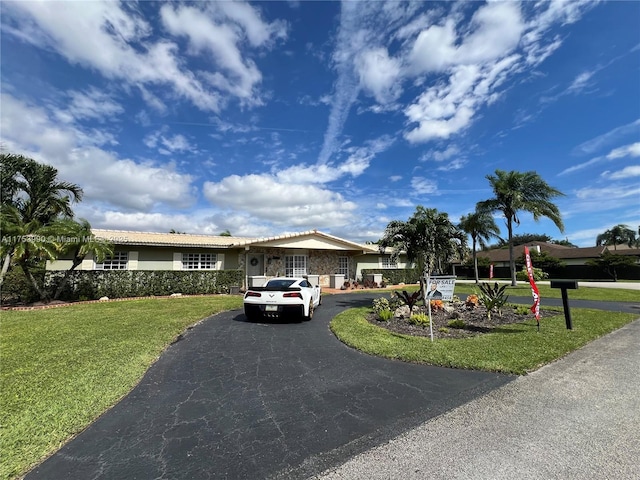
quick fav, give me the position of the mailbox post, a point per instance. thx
(564, 285)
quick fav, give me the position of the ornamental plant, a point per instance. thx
(420, 319)
(437, 305)
(380, 304)
(493, 298)
(410, 298)
(472, 301)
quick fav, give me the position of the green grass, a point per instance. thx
(516, 348)
(63, 367)
(582, 293)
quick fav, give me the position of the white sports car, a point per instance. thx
(282, 296)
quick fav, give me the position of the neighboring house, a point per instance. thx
(575, 259)
(305, 253)
(499, 257)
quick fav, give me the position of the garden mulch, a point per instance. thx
(476, 321)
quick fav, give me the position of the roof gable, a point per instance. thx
(312, 240)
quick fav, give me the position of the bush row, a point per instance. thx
(395, 276)
(92, 285)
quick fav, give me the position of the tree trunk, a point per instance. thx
(5, 267)
(41, 292)
(475, 260)
(76, 262)
(512, 261)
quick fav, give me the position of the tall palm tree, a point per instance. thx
(428, 238)
(521, 191)
(33, 201)
(618, 235)
(80, 242)
(481, 227)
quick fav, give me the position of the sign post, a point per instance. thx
(439, 288)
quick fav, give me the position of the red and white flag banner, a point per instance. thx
(535, 308)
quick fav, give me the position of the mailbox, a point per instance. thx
(565, 284)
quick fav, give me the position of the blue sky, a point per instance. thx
(274, 117)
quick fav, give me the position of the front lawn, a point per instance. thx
(515, 348)
(63, 367)
(582, 293)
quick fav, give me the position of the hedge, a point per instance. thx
(394, 276)
(94, 284)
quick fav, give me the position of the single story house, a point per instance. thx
(499, 257)
(310, 253)
(574, 258)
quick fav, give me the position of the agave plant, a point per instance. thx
(493, 297)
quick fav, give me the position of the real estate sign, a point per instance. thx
(441, 288)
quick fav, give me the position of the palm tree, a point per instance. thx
(30, 244)
(33, 201)
(428, 238)
(81, 242)
(515, 191)
(481, 227)
(618, 235)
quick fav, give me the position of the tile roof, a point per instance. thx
(123, 237)
(557, 251)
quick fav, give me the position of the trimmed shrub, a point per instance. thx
(142, 283)
(395, 276)
(16, 287)
(538, 274)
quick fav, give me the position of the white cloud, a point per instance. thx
(421, 185)
(359, 159)
(627, 172)
(237, 75)
(168, 144)
(495, 31)
(103, 176)
(580, 82)
(474, 62)
(92, 104)
(612, 136)
(114, 39)
(265, 197)
(379, 74)
(440, 156)
(611, 197)
(631, 150)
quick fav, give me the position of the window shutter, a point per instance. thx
(219, 261)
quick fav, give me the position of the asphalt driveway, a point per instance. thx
(239, 400)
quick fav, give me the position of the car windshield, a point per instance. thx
(280, 283)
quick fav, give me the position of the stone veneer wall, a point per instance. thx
(321, 262)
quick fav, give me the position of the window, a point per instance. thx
(118, 261)
(199, 261)
(343, 266)
(295, 265)
(388, 262)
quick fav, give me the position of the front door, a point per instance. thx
(255, 264)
